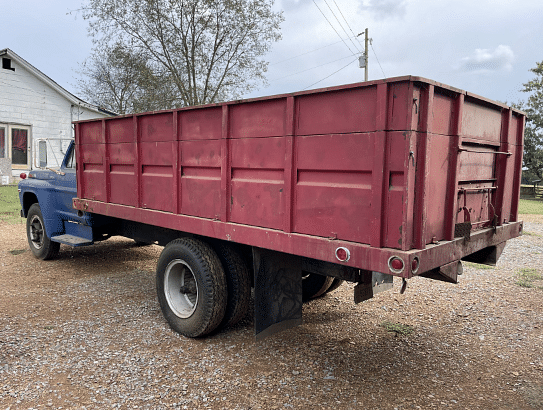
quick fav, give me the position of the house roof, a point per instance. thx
(6, 52)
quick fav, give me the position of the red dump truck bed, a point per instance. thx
(362, 174)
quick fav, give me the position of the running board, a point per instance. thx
(71, 240)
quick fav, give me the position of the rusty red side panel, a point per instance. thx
(395, 164)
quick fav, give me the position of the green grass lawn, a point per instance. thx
(530, 206)
(10, 208)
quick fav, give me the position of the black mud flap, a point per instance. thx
(486, 256)
(371, 283)
(445, 273)
(278, 292)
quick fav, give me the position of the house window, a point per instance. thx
(6, 64)
(14, 144)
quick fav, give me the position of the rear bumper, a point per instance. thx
(443, 253)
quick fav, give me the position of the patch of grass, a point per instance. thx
(477, 265)
(528, 233)
(533, 393)
(530, 207)
(529, 278)
(398, 328)
(17, 251)
(9, 204)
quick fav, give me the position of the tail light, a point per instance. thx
(343, 254)
(396, 264)
(415, 265)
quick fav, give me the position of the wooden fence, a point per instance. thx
(531, 191)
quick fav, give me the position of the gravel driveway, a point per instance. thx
(85, 331)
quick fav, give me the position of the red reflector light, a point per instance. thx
(343, 254)
(415, 265)
(395, 264)
(22, 176)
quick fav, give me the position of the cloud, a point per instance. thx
(484, 60)
(289, 5)
(384, 9)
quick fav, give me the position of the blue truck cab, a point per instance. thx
(46, 203)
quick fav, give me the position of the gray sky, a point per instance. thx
(482, 46)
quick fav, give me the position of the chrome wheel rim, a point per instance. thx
(181, 288)
(36, 232)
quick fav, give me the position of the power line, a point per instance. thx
(307, 69)
(354, 35)
(341, 25)
(334, 28)
(335, 72)
(371, 44)
(311, 51)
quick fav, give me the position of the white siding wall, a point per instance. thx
(26, 100)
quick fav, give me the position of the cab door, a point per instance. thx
(66, 186)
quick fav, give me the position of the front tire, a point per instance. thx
(191, 287)
(41, 246)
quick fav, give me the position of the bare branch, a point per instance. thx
(188, 51)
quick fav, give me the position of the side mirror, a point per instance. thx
(42, 154)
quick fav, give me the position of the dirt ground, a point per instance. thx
(85, 331)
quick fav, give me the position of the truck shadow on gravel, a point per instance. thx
(109, 256)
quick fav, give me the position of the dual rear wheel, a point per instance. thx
(315, 285)
(201, 289)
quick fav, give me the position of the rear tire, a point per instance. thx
(335, 284)
(314, 285)
(191, 287)
(238, 283)
(41, 246)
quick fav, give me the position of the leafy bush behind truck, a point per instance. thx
(290, 194)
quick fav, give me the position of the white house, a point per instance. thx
(35, 114)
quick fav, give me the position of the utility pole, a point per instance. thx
(366, 55)
(363, 59)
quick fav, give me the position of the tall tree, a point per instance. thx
(123, 81)
(533, 136)
(207, 50)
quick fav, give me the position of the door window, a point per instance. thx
(3, 144)
(70, 162)
(19, 146)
